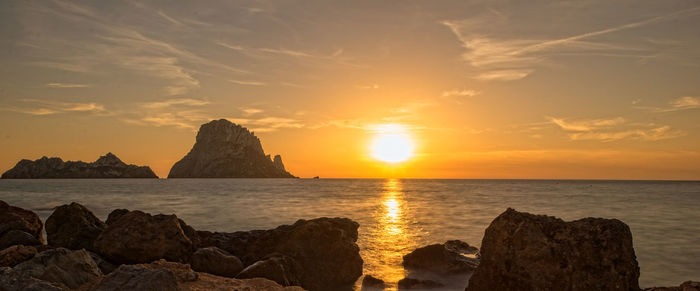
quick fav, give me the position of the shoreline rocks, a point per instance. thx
(107, 166)
(522, 251)
(74, 227)
(19, 226)
(447, 258)
(226, 150)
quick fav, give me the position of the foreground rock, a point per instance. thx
(14, 255)
(686, 286)
(447, 258)
(166, 276)
(370, 282)
(281, 269)
(107, 166)
(226, 150)
(216, 261)
(14, 281)
(138, 237)
(62, 267)
(73, 227)
(522, 251)
(322, 251)
(19, 226)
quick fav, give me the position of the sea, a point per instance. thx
(397, 216)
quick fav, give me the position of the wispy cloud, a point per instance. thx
(459, 93)
(66, 85)
(678, 104)
(248, 83)
(180, 101)
(251, 111)
(46, 107)
(614, 129)
(510, 59)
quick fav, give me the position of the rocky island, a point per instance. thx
(224, 149)
(107, 166)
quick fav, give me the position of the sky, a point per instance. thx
(485, 89)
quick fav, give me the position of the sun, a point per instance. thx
(391, 144)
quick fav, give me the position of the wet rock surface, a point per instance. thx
(74, 227)
(522, 251)
(107, 166)
(216, 261)
(447, 258)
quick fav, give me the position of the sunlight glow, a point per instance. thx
(392, 144)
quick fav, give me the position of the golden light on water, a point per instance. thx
(392, 143)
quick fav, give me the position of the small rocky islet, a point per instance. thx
(139, 251)
(107, 166)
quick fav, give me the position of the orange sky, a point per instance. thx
(486, 89)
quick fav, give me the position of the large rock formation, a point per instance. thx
(448, 258)
(226, 150)
(107, 166)
(138, 237)
(320, 254)
(74, 227)
(522, 251)
(19, 226)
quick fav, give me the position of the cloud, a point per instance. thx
(678, 104)
(459, 93)
(248, 83)
(66, 85)
(251, 111)
(45, 107)
(508, 59)
(172, 102)
(614, 129)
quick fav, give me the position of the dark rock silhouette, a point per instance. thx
(412, 283)
(107, 166)
(216, 261)
(281, 269)
(227, 150)
(522, 251)
(447, 258)
(74, 227)
(686, 286)
(370, 282)
(19, 226)
(321, 253)
(138, 237)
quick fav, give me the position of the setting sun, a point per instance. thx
(392, 144)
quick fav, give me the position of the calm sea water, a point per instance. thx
(396, 216)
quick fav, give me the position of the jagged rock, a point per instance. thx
(107, 166)
(16, 281)
(15, 218)
(61, 266)
(412, 283)
(447, 258)
(370, 282)
(216, 261)
(522, 251)
(138, 237)
(162, 275)
(324, 248)
(281, 269)
(17, 237)
(115, 215)
(14, 255)
(277, 161)
(73, 227)
(686, 286)
(226, 150)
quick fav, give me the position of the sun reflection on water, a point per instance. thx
(391, 237)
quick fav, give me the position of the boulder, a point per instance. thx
(370, 282)
(138, 237)
(324, 248)
(412, 283)
(162, 275)
(447, 258)
(14, 255)
(216, 261)
(15, 218)
(686, 286)
(74, 227)
(105, 266)
(115, 215)
(227, 150)
(61, 266)
(17, 237)
(522, 251)
(107, 166)
(281, 269)
(16, 281)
